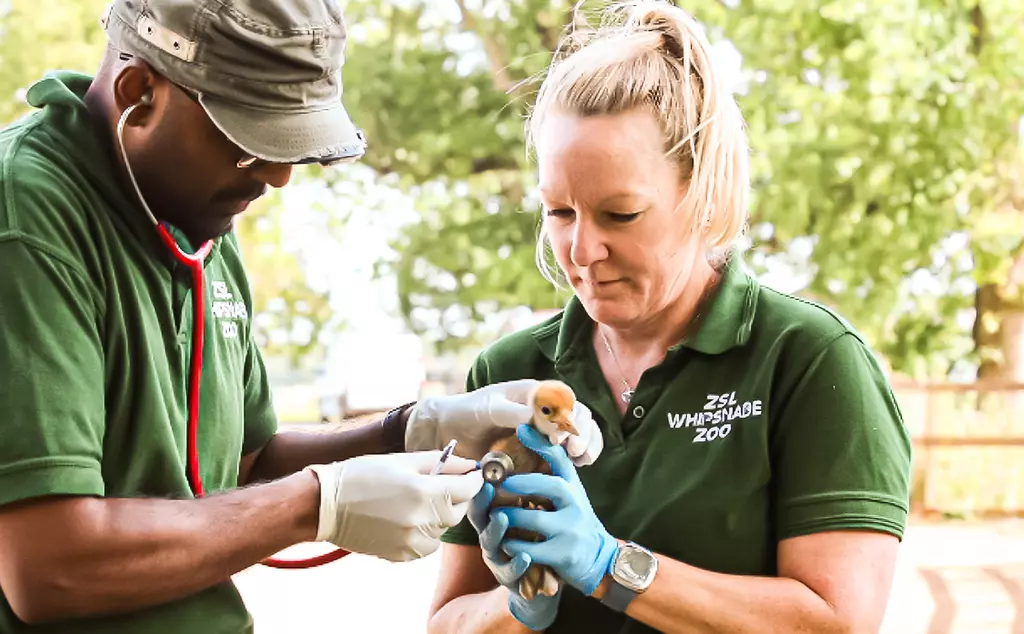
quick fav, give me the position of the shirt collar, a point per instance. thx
(730, 313)
(728, 323)
(60, 95)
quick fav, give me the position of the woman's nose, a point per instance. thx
(587, 245)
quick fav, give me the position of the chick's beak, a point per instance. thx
(565, 423)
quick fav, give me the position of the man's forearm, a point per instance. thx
(293, 450)
(93, 556)
(483, 613)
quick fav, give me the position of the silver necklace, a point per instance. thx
(627, 394)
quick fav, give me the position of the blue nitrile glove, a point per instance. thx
(578, 547)
(536, 614)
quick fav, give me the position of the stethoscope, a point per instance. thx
(194, 262)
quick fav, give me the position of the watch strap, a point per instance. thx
(393, 428)
(618, 596)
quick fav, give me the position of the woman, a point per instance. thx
(755, 474)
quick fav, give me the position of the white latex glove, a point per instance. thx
(477, 418)
(390, 506)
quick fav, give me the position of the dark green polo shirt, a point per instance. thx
(773, 421)
(95, 338)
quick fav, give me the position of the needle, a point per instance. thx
(449, 448)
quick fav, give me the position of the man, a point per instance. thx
(125, 449)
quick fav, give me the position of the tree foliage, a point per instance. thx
(883, 138)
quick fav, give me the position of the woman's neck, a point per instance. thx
(667, 327)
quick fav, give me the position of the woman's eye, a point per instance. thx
(560, 213)
(624, 218)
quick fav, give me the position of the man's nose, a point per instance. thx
(273, 174)
(587, 244)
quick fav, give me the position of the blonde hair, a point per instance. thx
(651, 54)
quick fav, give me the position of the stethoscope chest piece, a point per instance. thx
(496, 466)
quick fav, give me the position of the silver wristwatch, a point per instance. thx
(632, 572)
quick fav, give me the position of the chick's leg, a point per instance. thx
(538, 579)
(549, 582)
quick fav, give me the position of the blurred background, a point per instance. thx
(888, 166)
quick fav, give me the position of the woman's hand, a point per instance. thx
(536, 614)
(577, 546)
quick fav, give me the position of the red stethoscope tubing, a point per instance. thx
(194, 263)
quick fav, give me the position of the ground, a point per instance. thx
(952, 578)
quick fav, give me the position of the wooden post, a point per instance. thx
(929, 452)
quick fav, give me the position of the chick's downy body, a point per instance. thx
(553, 403)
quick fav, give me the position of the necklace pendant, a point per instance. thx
(627, 395)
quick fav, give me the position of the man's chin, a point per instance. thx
(213, 230)
(226, 227)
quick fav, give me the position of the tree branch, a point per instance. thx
(548, 36)
(978, 19)
(499, 65)
(489, 163)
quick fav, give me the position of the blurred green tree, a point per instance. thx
(885, 159)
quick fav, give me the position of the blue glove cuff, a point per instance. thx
(537, 614)
(602, 564)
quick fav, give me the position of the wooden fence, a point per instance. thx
(968, 447)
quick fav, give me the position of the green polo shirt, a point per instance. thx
(774, 420)
(95, 336)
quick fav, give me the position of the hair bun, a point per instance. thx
(666, 19)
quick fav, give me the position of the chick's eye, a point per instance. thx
(546, 410)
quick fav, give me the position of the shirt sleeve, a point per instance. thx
(51, 376)
(260, 418)
(840, 451)
(463, 533)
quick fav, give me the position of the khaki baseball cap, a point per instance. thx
(267, 72)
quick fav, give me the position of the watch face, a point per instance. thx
(635, 567)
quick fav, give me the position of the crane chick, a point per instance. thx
(553, 404)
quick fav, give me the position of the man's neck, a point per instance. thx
(99, 107)
(103, 112)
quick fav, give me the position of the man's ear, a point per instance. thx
(135, 84)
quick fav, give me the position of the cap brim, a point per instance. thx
(279, 137)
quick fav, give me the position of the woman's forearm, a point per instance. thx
(483, 613)
(686, 599)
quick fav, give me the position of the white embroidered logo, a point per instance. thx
(226, 311)
(715, 421)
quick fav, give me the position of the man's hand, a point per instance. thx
(390, 506)
(476, 419)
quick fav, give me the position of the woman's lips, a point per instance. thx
(600, 284)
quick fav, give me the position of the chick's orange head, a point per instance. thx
(554, 401)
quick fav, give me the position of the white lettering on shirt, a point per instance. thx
(716, 419)
(226, 311)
